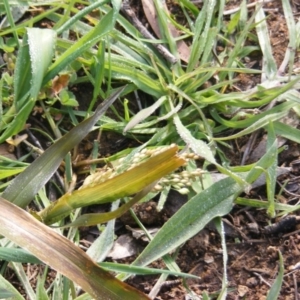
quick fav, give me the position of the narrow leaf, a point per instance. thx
(142, 270)
(144, 113)
(198, 146)
(276, 286)
(8, 291)
(18, 255)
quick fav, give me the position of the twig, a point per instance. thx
(126, 9)
(262, 279)
(234, 10)
(295, 286)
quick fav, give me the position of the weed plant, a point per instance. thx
(193, 111)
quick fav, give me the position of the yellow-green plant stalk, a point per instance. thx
(125, 184)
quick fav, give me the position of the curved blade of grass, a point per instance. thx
(11, 18)
(100, 248)
(220, 228)
(105, 25)
(24, 187)
(122, 185)
(142, 80)
(271, 175)
(286, 131)
(289, 57)
(269, 64)
(8, 291)
(262, 122)
(61, 254)
(198, 146)
(67, 25)
(144, 113)
(282, 108)
(202, 26)
(274, 292)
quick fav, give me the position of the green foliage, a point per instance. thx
(190, 102)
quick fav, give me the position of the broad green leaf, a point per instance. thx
(217, 200)
(190, 219)
(61, 254)
(41, 44)
(198, 146)
(25, 186)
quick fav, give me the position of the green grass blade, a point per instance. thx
(18, 255)
(198, 146)
(141, 270)
(286, 131)
(271, 175)
(269, 64)
(274, 292)
(202, 27)
(7, 290)
(33, 59)
(41, 44)
(144, 113)
(220, 228)
(105, 25)
(104, 243)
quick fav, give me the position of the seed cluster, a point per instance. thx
(180, 181)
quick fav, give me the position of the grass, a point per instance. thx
(97, 45)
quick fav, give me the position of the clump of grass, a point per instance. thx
(195, 107)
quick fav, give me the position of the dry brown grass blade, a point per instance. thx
(61, 254)
(150, 12)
